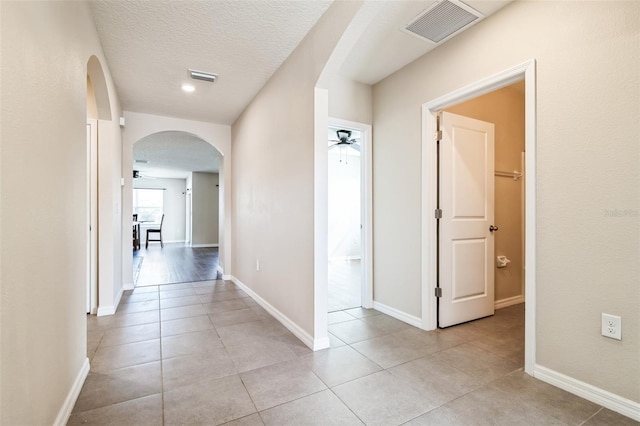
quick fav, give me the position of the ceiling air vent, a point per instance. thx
(443, 20)
(204, 76)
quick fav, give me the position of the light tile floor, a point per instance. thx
(204, 353)
(343, 290)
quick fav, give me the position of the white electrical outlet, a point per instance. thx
(612, 326)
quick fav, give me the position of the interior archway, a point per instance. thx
(187, 171)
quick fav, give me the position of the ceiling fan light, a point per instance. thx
(343, 134)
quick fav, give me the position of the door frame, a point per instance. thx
(92, 209)
(527, 72)
(366, 206)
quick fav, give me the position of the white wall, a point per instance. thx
(173, 200)
(204, 209)
(45, 49)
(273, 177)
(588, 168)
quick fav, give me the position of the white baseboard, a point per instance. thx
(227, 277)
(128, 286)
(509, 301)
(589, 392)
(306, 338)
(110, 310)
(397, 314)
(203, 245)
(70, 401)
(174, 241)
(105, 310)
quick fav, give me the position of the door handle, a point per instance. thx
(493, 228)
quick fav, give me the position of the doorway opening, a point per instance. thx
(345, 220)
(98, 108)
(176, 197)
(349, 236)
(431, 265)
(92, 200)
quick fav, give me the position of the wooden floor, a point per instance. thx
(344, 285)
(175, 263)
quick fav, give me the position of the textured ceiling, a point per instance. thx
(174, 155)
(150, 45)
(384, 48)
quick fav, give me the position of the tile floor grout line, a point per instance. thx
(161, 358)
(592, 416)
(346, 405)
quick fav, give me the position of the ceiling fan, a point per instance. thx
(138, 175)
(344, 140)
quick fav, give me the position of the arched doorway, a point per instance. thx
(98, 108)
(176, 185)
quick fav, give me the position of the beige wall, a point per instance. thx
(204, 208)
(505, 109)
(173, 202)
(45, 49)
(139, 125)
(588, 174)
(273, 176)
(350, 100)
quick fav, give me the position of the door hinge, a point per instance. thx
(438, 214)
(438, 135)
(438, 291)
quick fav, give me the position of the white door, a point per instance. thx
(466, 244)
(92, 216)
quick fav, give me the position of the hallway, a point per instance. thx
(205, 353)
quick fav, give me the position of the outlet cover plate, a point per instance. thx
(612, 326)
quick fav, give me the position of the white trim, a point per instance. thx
(366, 203)
(70, 401)
(589, 392)
(306, 338)
(204, 245)
(320, 216)
(110, 310)
(227, 277)
(128, 286)
(105, 310)
(174, 241)
(508, 301)
(526, 71)
(399, 315)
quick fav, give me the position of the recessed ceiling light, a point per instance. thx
(188, 88)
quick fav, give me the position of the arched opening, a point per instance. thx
(98, 108)
(92, 199)
(176, 189)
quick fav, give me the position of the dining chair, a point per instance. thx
(136, 232)
(155, 231)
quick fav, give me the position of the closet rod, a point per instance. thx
(515, 175)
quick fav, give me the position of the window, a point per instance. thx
(148, 203)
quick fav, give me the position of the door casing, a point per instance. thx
(527, 72)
